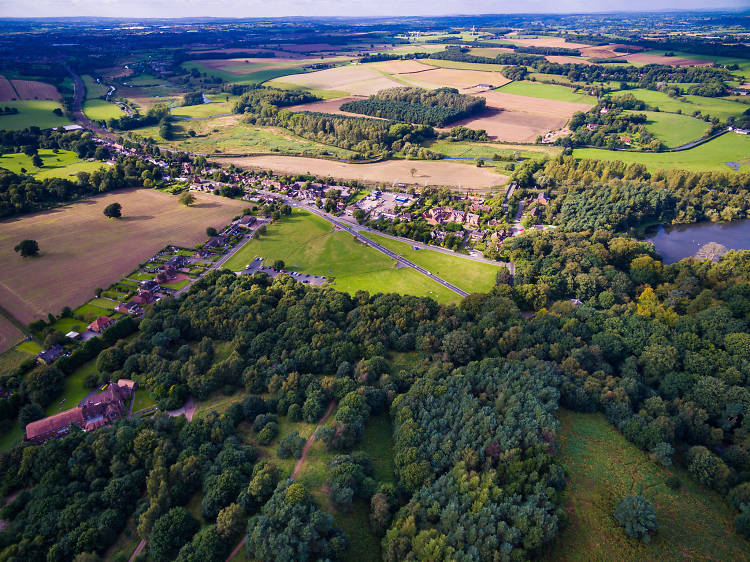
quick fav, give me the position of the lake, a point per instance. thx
(677, 242)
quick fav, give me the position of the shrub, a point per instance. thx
(637, 516)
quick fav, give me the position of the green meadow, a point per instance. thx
(308, 244)
(32, 113)
(674, 129)
(546, 91)
(712, 155)
(715, 107)
(469, 275)
(100, 110)
(63, 164)
(603, 467)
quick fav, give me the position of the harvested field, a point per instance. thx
(605, 51)
(9, 334)
(359, 80)
(526, 104)
(461, 79)
(642, 58)
(409, 66)
(548, 42)
(428, 172)
(513, 126)
(7, 91)
(490, 51)
(32, 90)
(74, 261)
(329, 106)
(567, 60)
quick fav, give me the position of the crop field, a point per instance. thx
(547, 42)
(32, 113)
(561, 59)
(480, 66)
(308, 244)
(358, 80)
(9, 334)
(645, 58)
(673, 129)
(228, 134)
(100, 110)
(715, 107)
(712, 155)
(603, 467)
(458, 78)
(27, 90)
(471, 276)
(547, 91)
(428, 172)
(73, 262)
(252, 76)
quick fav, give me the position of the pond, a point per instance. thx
(677, 242)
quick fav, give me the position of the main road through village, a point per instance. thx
(356, 231)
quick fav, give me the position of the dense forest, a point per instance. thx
(438, 107)
(253, 100)
(661, 350)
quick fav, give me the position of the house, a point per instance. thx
(73, 335)
(592, 126)
(486, 86)
(246, 222)
(542, 199)
(143, 297)
(98, 410)
(626, 140)
(49, 356)
(603, 110)
(179, 261)
(472, 220)
(148, 285)
(100, 324)
(742, 131)
(216, 242)
(130, 308)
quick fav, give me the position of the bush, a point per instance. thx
(674, 483)
(637, 516)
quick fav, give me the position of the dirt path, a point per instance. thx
(138, 550)
(311, 440)
(188, 409)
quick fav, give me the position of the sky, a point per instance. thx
(263, 8)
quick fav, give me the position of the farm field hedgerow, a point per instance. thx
(471, 276)
(307, 244)
(603, 467)
(712, 155)
(32, 113)
(72, 265)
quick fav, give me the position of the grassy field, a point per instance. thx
(467, 149)
(100, 110)
(72, 265)
(93, 88)
(219, 105)
(603, 467)
(308, 244)
(32, 113)
(250, 77)
(715, 107)
(471, 276)
(228, 134)
(63, 164)
(673, 129)
(712, 155)
(546, 91)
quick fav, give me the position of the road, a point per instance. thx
(79, 94)
(357, 233)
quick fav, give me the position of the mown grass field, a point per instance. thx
(219, 104)
(546, 91)
(673, 129)
(712, 155)
(74, 391)
(471, 276)
(715, 107)
(308, 244)
(100, 110)
(32, 113)
(603, 467)
(63, 164)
